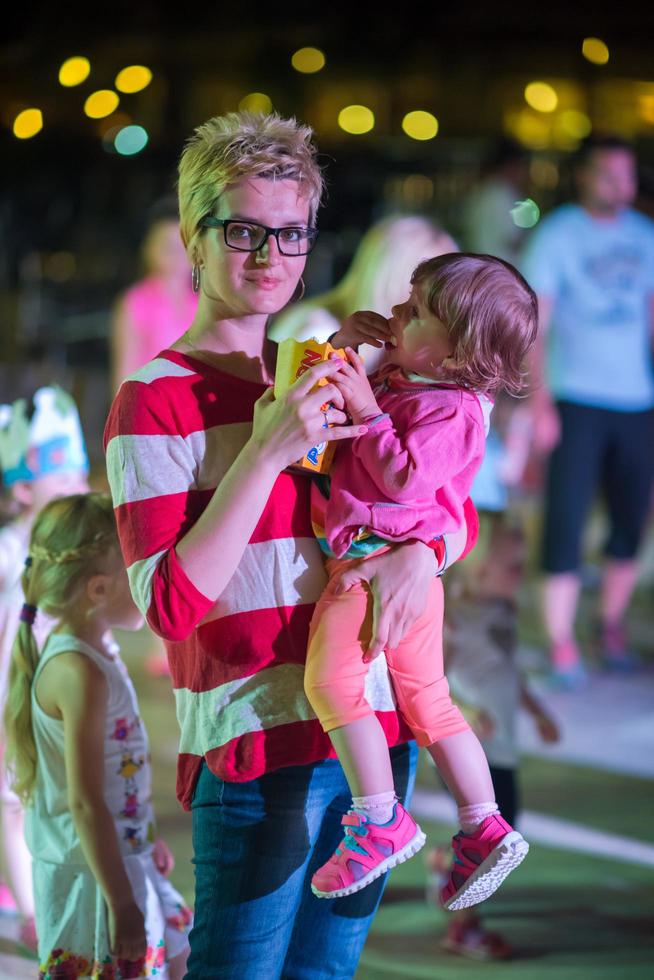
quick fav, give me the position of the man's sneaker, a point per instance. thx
(482, 861)
(367, 851)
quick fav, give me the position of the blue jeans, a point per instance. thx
(256, 847)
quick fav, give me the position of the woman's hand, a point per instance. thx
(127, 936)
(163, 858)
(352, 382)
(399, 581)
(286, 428)
(363, 327)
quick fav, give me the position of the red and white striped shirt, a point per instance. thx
(173, 431)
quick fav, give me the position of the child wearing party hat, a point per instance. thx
(42, 456)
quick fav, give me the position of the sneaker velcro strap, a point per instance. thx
(353, 819)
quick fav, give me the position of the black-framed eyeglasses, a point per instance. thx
(249, 236)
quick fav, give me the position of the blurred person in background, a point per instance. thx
(481, 644)
(376, 280)
(592, 265)
(488, 226)
(148, 316)
(42, 456)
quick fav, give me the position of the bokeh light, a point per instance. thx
(102, 103)
(541, 96)
(528, 127)
(133, 79)
(308, 60)
(575, 124)
(595, 50)
(646, 108)
(420, 125)
(74, 71)
(356, 119)
(525, 214)
(28, 123)
(256, 102)
(130, 140)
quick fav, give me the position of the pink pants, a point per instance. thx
(335, 672)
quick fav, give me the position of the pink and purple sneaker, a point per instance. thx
(367, 851)
(482, 860)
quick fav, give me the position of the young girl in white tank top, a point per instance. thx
(79, 756)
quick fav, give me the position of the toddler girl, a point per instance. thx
(462, 334)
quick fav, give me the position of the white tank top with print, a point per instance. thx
(50, 831)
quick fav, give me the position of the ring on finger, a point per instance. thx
(325, 424)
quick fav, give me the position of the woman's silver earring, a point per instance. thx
(195, 278)
(296, 299)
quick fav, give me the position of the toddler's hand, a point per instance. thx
(352, 382)
(363, 327)
(163, 858)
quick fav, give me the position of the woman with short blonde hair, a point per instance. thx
(217, 538)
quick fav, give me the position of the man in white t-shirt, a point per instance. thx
(592, 265)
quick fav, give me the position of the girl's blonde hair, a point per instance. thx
(378, 276)
(70, 541)
(490, 312)
(236, 146)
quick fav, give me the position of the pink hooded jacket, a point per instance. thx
(409, 476)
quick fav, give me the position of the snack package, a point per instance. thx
(294, 357)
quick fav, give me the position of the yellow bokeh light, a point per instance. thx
(308, 60)
(356, 119)
(133, 79)
(28, 123)
(102, 103)
(420, 125)
(256, 102)
(646, 108)
(528, 127)
(595, 50)
(541, 96)
(575, 124)
(74, 71)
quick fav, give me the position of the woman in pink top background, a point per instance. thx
(462, 334)
(149, 316)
